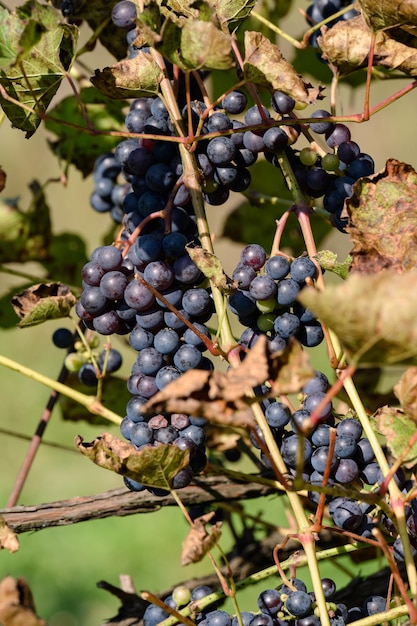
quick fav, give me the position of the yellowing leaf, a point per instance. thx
(199, 541)
(130, 78)
(374, 315)
(346, 45)
(264, 65)
(398, 429)
(155, 466)
(42, 302)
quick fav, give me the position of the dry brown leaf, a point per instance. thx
(406, 392)
(43, 302)
(8, 539)
(198, 541)
(383, 220)
(153, 466)
(346, 45)
(16, 604)
(264, 65)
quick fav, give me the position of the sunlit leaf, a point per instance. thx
(374, 315)
(130, 78)
(383, 219)
(46, 301)
(155, 466)
(36, 50)
(265, 66)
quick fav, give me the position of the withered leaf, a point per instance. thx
(406, 392)
(224, 398)
(209, 264)
(264, 65)
(346, 45)
(154, 466)
(388, 14)
(130, 78)
(398, 430)
(382, 332)
(39, 303)
(16, 604)
(327, 260)
(198, 541)
(8, 539)
(383, 219)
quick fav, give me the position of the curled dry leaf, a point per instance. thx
(264, 65)
(224, 398)
(406, 392)
(8, 539)
(17, 607)
(154, 466)
(389, 14)
(42, 302)
(382, 332)
(398, 430)
(198, 541)
(130, 78)
(383, 220)
(346, 45)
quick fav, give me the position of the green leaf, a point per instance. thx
(265, 66)
(398, 430)
(328, 261)
(131, 78)
(374, 315)
(153, 466)
(82, 148)
(39, 303)
(36, 49)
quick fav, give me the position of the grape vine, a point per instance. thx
(200, 107)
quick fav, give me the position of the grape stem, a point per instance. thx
(89, 402)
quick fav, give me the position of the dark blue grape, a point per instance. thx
(87, 375)
(187, 357)
(150, 361)
(298, 603)
(107, 323)
(321, 127)
(124, 14)
(302, 268)
(282, 103)
(62, 338)
(221, 150)
(287, 291)
(112, 358)
(286, 325)
(277, 415)
(262, 288)
(350, 426)
(153, 615)
(166, 375)
(277, 267)
(345, 446)
(338, 134)
(310, 335)
(234, 102)
(289, 450)
(269, 601)
(347, 514)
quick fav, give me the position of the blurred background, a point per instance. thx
(62, 565)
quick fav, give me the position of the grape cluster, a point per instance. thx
(287, 605)
(266, 299)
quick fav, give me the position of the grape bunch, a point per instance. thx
(286, 605)
(266, 299)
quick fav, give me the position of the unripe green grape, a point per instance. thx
(181, 595)
(330, 162)
(266, 306)
(300, 106)
(74, 361)
(308, 156)
(265, 322)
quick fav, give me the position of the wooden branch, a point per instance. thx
(121, 502)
